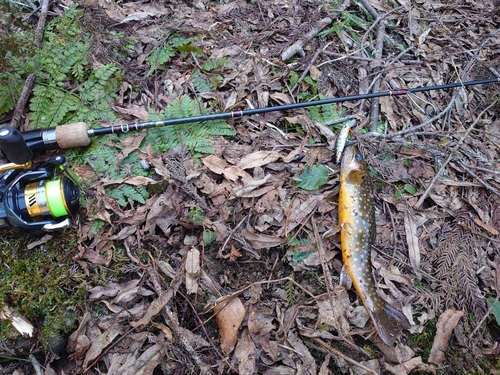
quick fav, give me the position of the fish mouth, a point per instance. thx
(349, 156)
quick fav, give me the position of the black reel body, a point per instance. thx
(32, 201)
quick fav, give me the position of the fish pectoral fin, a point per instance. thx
(388, 322)
(345, 227)
(345, 278)
(331, 232)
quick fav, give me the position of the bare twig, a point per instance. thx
(484, 316)
(21, 103)
(41, 23)
(479, 179)
(338, 353)
(375, 110)
(417, 127)
(28, 85)
(375, 23)
(438, 174)
(297, 46)
(306, 70)
(370, 8)
(36, 365)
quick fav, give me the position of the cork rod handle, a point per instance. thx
(72, 135)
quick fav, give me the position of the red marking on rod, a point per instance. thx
(398, 92)
(237, 113)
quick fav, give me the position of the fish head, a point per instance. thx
(353, 167)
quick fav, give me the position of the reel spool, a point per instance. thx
(33, 201)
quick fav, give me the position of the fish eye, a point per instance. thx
(359, 157)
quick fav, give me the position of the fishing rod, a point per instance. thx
(33, 201)
(79, 134)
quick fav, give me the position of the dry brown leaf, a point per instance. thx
(386, 107)
(332, 310)
(261, 158)
(112, 289)
(486, 227)
(408, 366)
(247, 190)
(300, 210)
(219, 166)
(229, 314)
(99, 344)
(413, 245)
(193, 270)
(444, 327)
(154, 308)
(72, 339)
(146, 363)
(246, 354)
(261, 241)
(258, 159)
(304, 358)
(398, 354)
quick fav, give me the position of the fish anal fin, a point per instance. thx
(388, 322)
(345, 278)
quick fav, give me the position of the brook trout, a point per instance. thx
(357, 232)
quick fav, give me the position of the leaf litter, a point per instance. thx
(255, 299)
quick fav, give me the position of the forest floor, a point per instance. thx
(200, 249)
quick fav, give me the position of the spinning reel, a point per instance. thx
(32, 201)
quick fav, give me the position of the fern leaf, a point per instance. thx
(200, 83)
(50, 106)
(217, 63)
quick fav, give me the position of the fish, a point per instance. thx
(342, 140)
(357, 233)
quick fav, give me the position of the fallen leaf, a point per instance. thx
(193, 270)
(111, 290)
(408, 366)
(332, 310)
(300, 210)
(261, 241)
(261, 158)
(219, 166)
(246, 354)
(413, 245)
(101, 343)
(229, 313)
(154, 308)
(444, 327)
(397, 354)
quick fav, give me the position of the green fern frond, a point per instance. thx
(50, 106)
(196, 136)
(216, 63)
(290, 290)
(10, 89)
(200, 83)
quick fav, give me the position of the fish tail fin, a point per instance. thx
(388, 322)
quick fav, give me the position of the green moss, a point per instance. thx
(421, 343)
(40, 284)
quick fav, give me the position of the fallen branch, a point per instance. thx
(375, 110)
(28, 85)
(448, 159)
(343, 356)
(297, 47)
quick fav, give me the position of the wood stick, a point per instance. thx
(28, 85)
(436, 177)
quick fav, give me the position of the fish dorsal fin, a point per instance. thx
(345, 279)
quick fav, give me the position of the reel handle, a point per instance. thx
(14, 146)
(61, 137)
